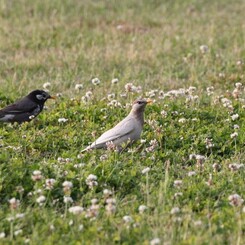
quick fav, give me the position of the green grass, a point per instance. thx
(155, 45)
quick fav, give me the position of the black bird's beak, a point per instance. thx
(52, 97)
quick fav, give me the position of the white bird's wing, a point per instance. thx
(122, 129)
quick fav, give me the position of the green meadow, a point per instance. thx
(183, 182)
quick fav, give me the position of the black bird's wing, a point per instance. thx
(22, 106)
(20, 111)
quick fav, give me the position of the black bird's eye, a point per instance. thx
(41, 96)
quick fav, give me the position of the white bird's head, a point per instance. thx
(139, 105)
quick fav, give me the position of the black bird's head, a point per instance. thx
(39, 96)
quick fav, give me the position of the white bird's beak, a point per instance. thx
(149, 101)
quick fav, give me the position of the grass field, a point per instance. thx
(183, 183)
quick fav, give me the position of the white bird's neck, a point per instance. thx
(139, 116)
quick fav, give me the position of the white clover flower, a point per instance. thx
(46, 85)
(110, 146)
(161, 94)
(51, 227)
(93, 210)
(94, 201)
(61, 159)
(237, 93)
(236, 126)
(175, 210)
(145, 170)
(36, 172)
(95, 81)
(114, 103)
(103, 157)
(76, 210)
(142, 141)
(178, 194)
(200, 159)
(36, 175)
(216, 167)
(235, 166)
(235, 200)
(91, 181)
(195, 97)
(221, 75)
(62, 120)
(191, 89)
(142, 209)
(111, 201)
(110, 209)
(110, 206)
(40, 200)
(239, 63)
(14, 203)
(2, 235)
(67, 199)
(210, 90)
(85, 99)
(111, 96)
(81, 227)
(20, 215)
(18, 232)
(203, 49)
(153, 146)
(114, 80)
(191, 173)
(67, 184)
(10, 219)
(38, 191)
(238, 85)
(177, 183)
(192, 156)
(78, 86)
(49, 184)
(234, 135)
(127, 219)
(155, 241)
(209, 143)
(123, 95)
(197, 223)
(164, 113)
(91, 177)
(182, 120)
(129, 87)
(89, 94)
(107, 192)
(120, 27)
(234, 117)
(71, 222)
(151, 93)
(226, 102)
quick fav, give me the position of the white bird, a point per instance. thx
(126, 131)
